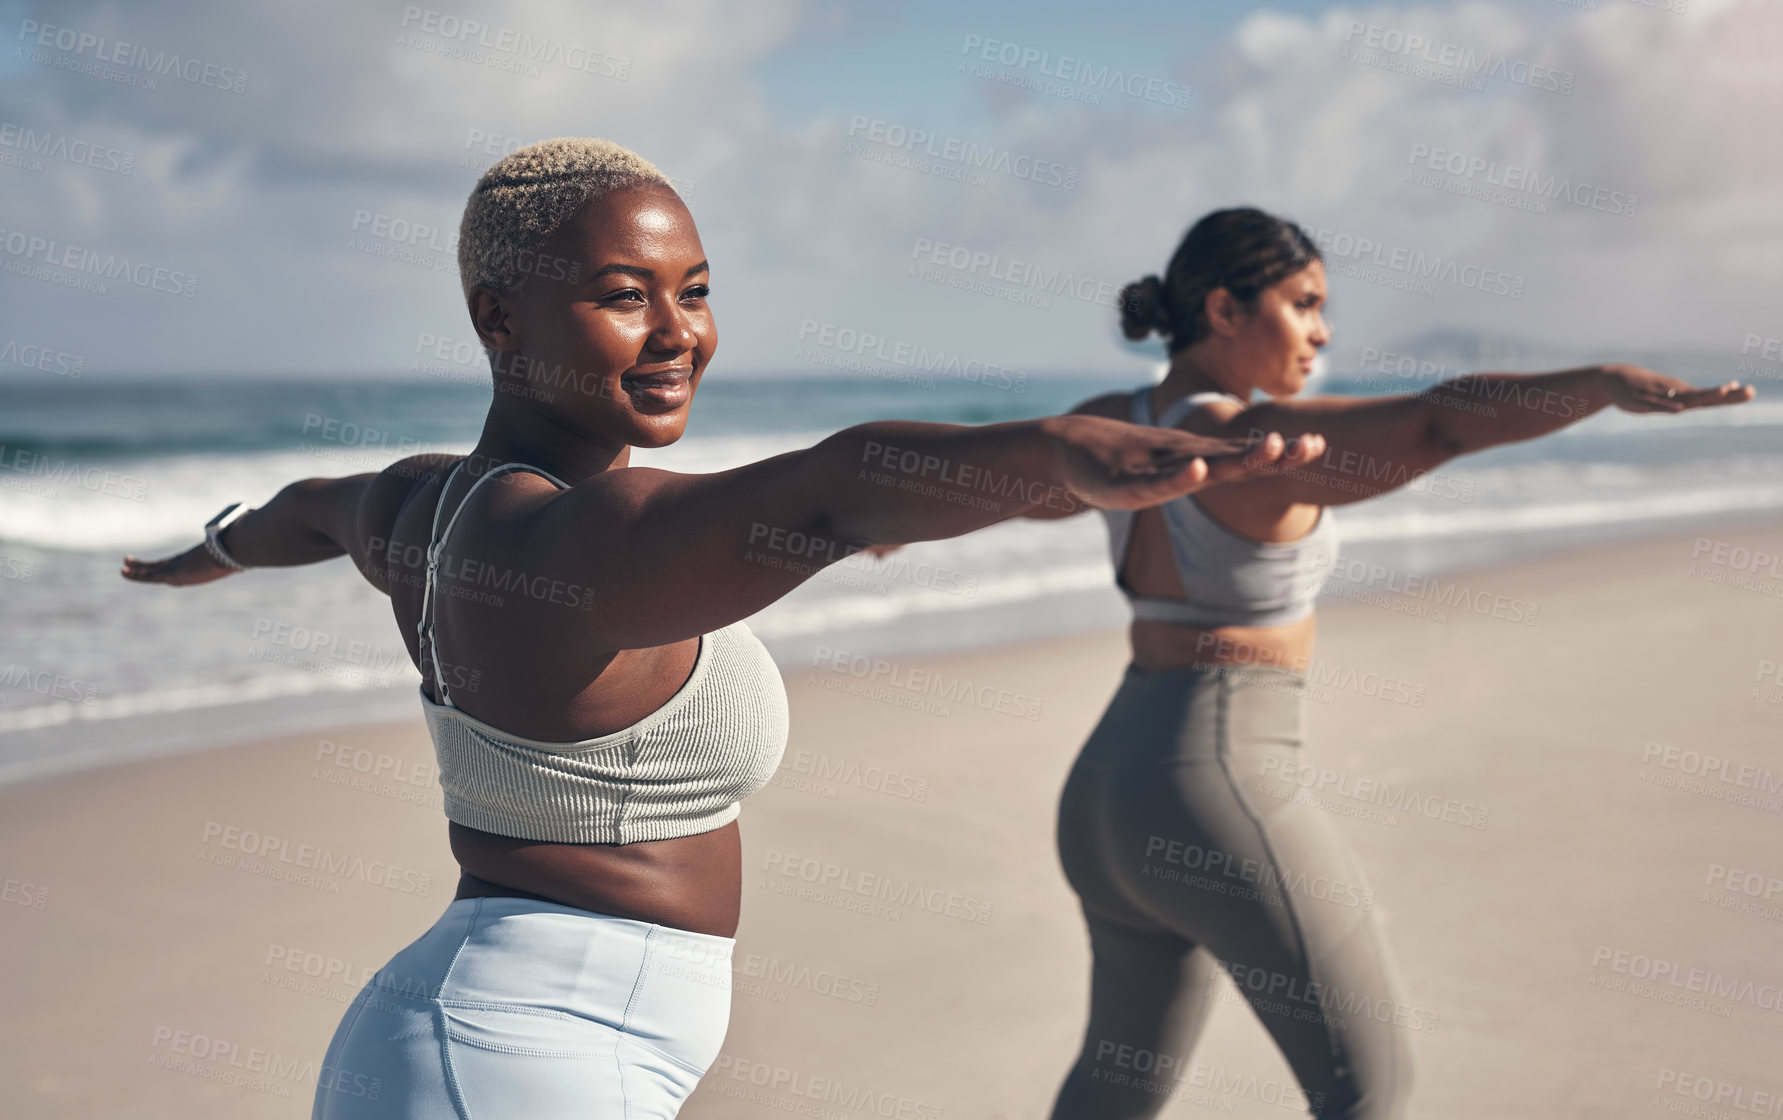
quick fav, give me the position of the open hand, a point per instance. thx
(1633, 389)
(1115, 465)
(195, 565)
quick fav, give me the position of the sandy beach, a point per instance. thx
(1561, 776)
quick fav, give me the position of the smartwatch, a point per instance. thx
(213, 543)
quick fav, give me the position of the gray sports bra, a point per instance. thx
(680, 770)
(1229, 580)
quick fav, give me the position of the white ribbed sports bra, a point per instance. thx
(1228, 579)
(681, 770)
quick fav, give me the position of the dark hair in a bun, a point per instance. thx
(1243, 250)
(1142, 308)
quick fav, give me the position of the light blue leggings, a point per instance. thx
(517, 1009)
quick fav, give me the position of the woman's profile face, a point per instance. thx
(611, 330)
(1279, 340)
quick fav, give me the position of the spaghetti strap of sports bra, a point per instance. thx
(1142, 406)
(424, 628)
(1227, 579)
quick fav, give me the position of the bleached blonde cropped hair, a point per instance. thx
(521, 201)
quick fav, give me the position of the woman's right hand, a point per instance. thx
(1633, 389)
(195, 565)
(1112, 464)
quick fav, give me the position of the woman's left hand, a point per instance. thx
(1633, 389)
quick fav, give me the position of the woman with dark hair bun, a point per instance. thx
(1177, 826)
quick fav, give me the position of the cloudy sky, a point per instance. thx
(272, 189)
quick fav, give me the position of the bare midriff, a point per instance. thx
(1161, 646)
(690, 882)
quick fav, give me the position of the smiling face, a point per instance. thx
(617, 352)
(1276, 343)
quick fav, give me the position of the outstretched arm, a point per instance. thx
(1118, 406)
(1377, 444)
(685, 554)
(309, 520)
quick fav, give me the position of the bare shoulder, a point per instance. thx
(371, 520)
(383, 500)
(1291, 416)
(1213, 417)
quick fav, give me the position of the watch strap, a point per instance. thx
(213, 529)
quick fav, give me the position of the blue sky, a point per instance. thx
(265, 201)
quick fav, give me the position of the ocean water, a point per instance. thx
(95, 669)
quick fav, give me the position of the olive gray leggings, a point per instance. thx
(1180, 832)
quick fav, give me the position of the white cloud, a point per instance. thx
(256, 192)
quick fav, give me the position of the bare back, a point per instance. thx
(514, 642)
